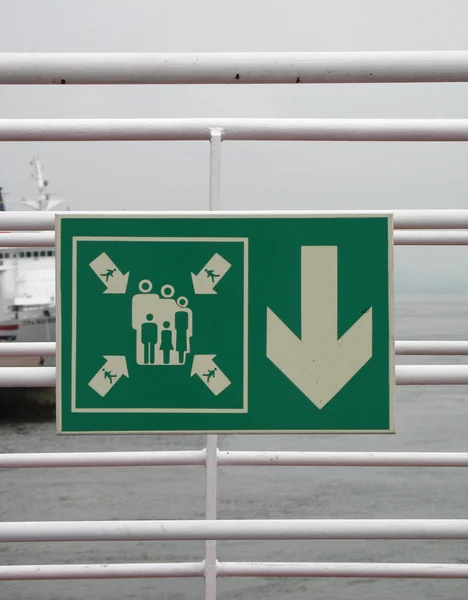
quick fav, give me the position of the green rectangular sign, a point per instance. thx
(224, 322)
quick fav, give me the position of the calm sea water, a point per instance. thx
(427, 418)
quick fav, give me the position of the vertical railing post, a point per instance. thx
(211, 465)
(215, 169)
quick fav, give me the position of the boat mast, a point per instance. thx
(43, 199)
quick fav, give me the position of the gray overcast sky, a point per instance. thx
(256, 175)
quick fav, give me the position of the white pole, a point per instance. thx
(341, 459)
(354, 570)
(430, 238)
(431, 374)
(405, 375)
(245, 529)
(234, 67)
(431, 348)
(96, 571)
(215, 169)
(400, 238)
(406, 347)
(44, 239)
(211, 500)
(28, 349)
(34, 460)
(402, 219)
(235, 129)
(211, 482)
(233, 569)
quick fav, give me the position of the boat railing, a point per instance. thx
(412, 227)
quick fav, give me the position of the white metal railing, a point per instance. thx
(240, 129)
(26, 377)
(236, 458)
(412, 227)
(234, 68)
(414, 348)
(413, 219)
(245, 529)
(235, 569)
(448, 237)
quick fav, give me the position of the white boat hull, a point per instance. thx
(32, 325)
(27, 284)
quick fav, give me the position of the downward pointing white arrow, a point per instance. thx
(109, 274)
(319, 364)
(114, 368)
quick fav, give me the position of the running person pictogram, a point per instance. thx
(211, 274)
(108, 273)
(211, 373)
(108, 375)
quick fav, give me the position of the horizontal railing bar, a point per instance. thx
(19, 220)
(407, 347)
(339, 459)
(234, 129)
(402, 219)
(27, 349)
(43, 239)
(234, 68)
(431, 348)
(106, 571)
(430, 238)
(248, 529)
(25, 377)
(431, 374)
(103, 459)
(233, 458)
(352, 570)
(234, 569)
(400, 238)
